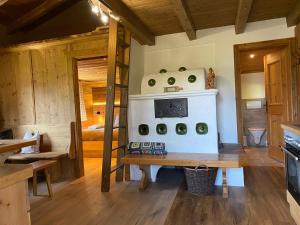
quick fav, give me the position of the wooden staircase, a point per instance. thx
(117, 81)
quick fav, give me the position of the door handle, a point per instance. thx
(289, 153)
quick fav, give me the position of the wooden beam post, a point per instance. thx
(109, 109)
(34, 15)
(131, 21)
(293, 18)
(243, 12)
(185, 18)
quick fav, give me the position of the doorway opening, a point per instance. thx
(263, 75)
(92, 82)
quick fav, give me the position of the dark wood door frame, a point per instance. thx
(288, 43)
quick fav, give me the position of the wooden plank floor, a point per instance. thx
(81, 202)
(260, 157)
(261, 202)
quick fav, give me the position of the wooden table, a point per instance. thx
(14, 144)
(14, 203)
(8, 146)
(222, 161)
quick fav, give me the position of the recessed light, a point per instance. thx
(104, 18)
(251, 56)
(95, 10)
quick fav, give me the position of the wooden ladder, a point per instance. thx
(117, 84)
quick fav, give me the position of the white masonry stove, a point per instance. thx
(185, 119)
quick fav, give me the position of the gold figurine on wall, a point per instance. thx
(211, 79)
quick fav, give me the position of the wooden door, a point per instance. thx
(276, 77)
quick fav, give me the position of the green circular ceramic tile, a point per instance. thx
(163, 71)
(171, 80)
(181, 69)
(201, 128)
(151, 82)
(143, 129)
(192, 78)
(161, 128)
(181, 128)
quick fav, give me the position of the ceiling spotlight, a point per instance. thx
(104, 18)
(95, 9)
(251, 56)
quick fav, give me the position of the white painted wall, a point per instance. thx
(136, 72)
(253, 85)
(212, 48)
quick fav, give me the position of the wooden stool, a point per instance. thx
(44, 165)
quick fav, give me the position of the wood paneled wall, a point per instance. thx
(88, 91)
(37, 88)
(95, 100)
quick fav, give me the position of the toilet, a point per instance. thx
(257, 133)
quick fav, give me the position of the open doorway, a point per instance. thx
(264, 94)
(92, 82)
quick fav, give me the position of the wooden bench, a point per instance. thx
(38, 156)
(42, 165)
(222, 161)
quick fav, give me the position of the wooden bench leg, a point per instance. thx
(34, 183)
(48, 181)
(145, 177)
(224, 183)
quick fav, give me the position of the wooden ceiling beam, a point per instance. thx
(2, 2)
(243, 12)
(33, 15)
(184, 16)
(131, 21)
(293, 18)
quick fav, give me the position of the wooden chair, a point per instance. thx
(45, 166)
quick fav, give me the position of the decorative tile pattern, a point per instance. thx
(149, 148)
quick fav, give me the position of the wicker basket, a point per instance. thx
(200, 180)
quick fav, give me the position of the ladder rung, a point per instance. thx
(119, 147)
(121, 86)
(123, 43)
(119, 127)
(114, 168)
(122, 65)
(121, 106)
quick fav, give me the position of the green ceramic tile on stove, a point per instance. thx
(181, 129)
(181, 69)
(201, 128)
(163, 71)
(161, 129)
(151, 82)
(171, 80)
(192, 78)
(143, 129)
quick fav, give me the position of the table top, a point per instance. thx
(14, 144)
(14, 173)
(292, 127)
(188, 159)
